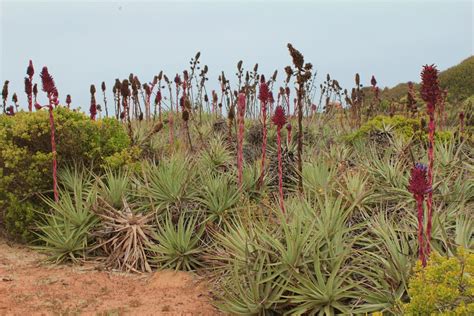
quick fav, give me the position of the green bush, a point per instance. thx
(26, 158)
(444, 287)
(397, 125)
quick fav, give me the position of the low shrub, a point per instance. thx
(444, 287)
(26, 158)
(396, 125)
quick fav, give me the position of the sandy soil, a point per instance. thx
(28, 286)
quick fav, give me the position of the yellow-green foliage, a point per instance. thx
(444, 287)
(126, 157)
(26, 159)
(397, 125)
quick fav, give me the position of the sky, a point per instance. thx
(87, 42)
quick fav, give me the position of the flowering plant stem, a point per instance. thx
(429, 201)
(53, 150)
(264, 143)
(421, 249)
(240, 138)
(280, 170)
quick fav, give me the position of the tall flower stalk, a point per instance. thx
(264, 97)
(240, 137)
(303, 74)
(288, 134)
(158, 99)
(93, 108)
(117, 91)
(5, 95)
(15, 101)
(103, 87)
(186, 108)
(52, 93)
(68, 101)
(419, 186)
(430, 92)
(376, 99)
(279, 119)
(30, 71)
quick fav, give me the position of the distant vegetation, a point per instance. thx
(458, 80)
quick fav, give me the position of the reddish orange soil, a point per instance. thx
(28, 286)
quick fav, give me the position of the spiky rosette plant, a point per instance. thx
(430, 93)
(64, 230)
(279, 119)
(419, 186)
(178, 245)
(124, 236)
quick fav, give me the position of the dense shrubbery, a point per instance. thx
(444, 287)
(397, 125)
(25, 158)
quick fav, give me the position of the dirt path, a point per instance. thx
(30, 287)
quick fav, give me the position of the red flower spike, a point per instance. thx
(48, 82)
(279, 117)
(28, 87)
(373, 82)
(30, 71)
(430, 91)
(177, 80)
(158, 97)
(264, 93)
(418, 183)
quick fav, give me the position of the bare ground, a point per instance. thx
(28, 286)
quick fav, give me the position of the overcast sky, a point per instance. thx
(86, 42)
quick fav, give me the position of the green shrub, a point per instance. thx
(444, 287)
(26, 158)
(397, 125)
